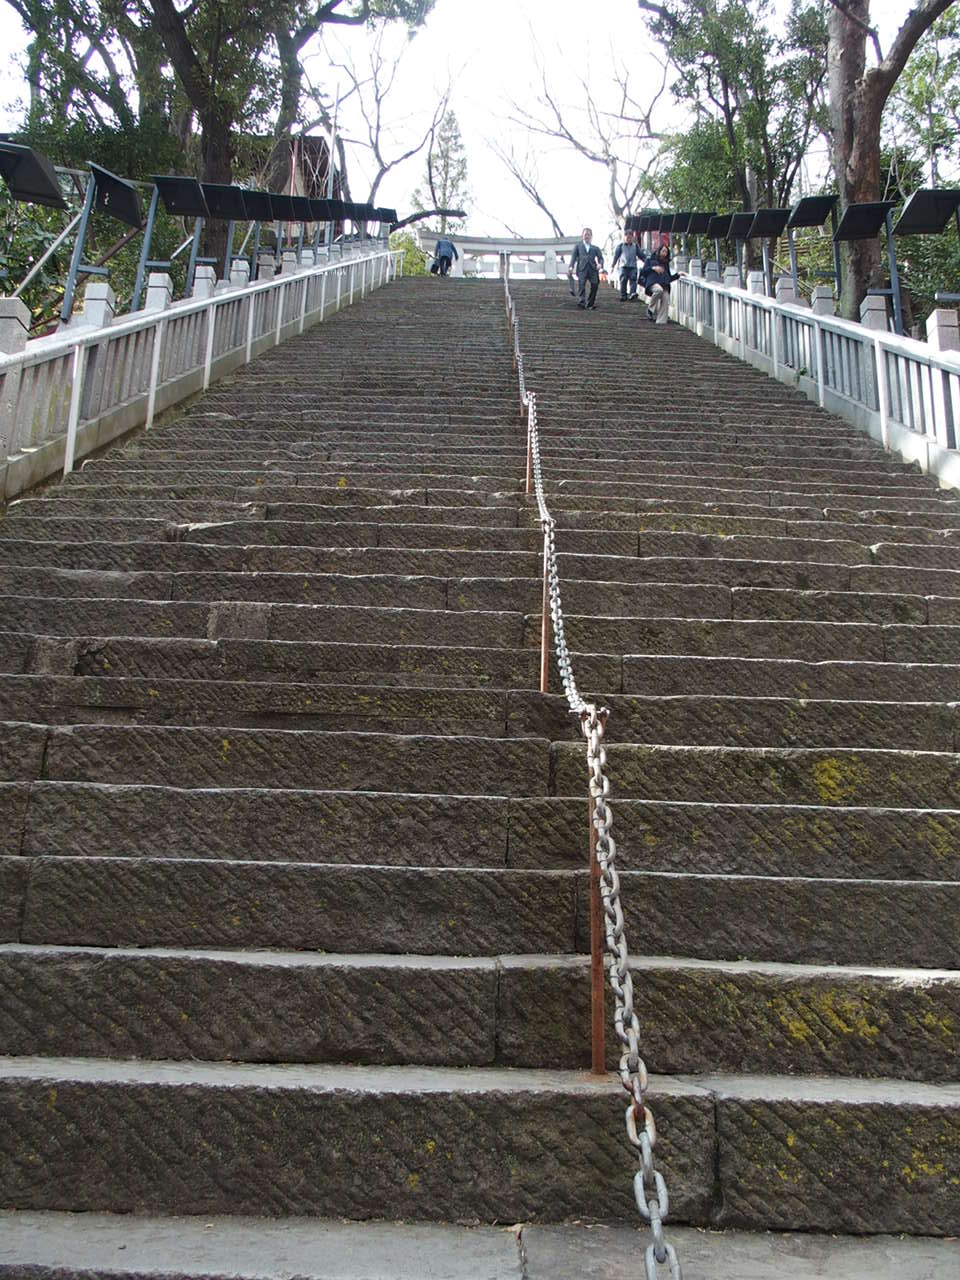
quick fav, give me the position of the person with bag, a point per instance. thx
(627, 254)
(444, 254)
(587, 261)
(656, 280)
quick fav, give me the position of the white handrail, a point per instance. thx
(902, 392)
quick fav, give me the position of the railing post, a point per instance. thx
(545, 618)
(303, 306)
(251, 316)
(280, 297)
(158, 335)
(339, 287)
(821, 362)
(208, 354)
(323, 295)
(76, 388)
(883, 405)
(598, 1052)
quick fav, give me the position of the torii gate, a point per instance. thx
(552, 250)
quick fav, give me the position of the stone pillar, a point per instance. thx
(289, 262)
(159, 291)
(550, 264)
(695, 268)
(756, 282)
(784, 292)
(711, 270)
(943, 330)
(14, 325)
(240, 273)
(266, 266)
(821, 300)
(873, 312)
(99, 306)
(681, 264)
(456, 267)
(204, 282)
(731, 277)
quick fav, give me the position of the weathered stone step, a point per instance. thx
(240, 1129)
(836, 776)
(88, 1245)
(152, 902)
(240, 704)
(808, 641)
(53, 819)
(693, 719)
(144, 902)
(669, 675)
(275, 621)
(280, 1139)
(508, 1011)
(420, 763)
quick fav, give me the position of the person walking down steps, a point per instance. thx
(445, 252)
(586, 261)
(627, 254)
(656, 281)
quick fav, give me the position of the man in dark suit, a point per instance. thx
(586, 260)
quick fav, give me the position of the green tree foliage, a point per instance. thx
(694, 170)
(445, 181)
(926, 101)
(755, 79)
(414, 258)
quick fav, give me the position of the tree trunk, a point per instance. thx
(216, 165)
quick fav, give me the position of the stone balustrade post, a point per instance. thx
(266, 266)
(822, 302)
(785, 292)
(711, 270)
(695, 268)
(943, 330)
(681, 263)
(99, 306)
(550, 264)
(240, 274)
(159, 291)
(873, 312)
(756, 283)
(14, 325)
(731, 277)
(289, 262)
(204, 282)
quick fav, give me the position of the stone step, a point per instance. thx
(804, 640)
(508, 1011)
(151, 902)
(175, 756)
(836, 776)
(54, 819)
(240, 1129)
(668, 676)
(672, 720)
(242, 1248)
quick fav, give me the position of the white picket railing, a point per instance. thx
(66, 395)
(905, 394)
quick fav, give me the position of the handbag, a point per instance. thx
(434, 267)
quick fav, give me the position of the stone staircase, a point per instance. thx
(294, 853)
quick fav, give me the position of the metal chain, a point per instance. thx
(649, 1186)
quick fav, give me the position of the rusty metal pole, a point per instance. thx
(598, 1055)
(545, 619)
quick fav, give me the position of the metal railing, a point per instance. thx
(900, 391)
(65, 395)
(606, 912)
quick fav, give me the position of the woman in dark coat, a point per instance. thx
(656, 280)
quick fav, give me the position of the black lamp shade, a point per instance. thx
(301, 208)
(740, 224)
(768, 222)
(30, 176)
(863, 221)
(681, 223)
(388, 215)
(116, 197)
(225, 203)
(257, 206)
(666, 221)
(699, 223)
(927, 212)
(282, 207)
(811, 211)
(337, 210)
(182, 197)
(320, 210)
(719, 226)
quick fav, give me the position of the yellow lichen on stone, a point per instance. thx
(837, 779)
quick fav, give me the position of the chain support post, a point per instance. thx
(545, 619)
(598, 1048)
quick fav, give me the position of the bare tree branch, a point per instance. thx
(525, 173)
(428, 213)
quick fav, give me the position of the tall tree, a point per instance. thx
(858, 95)
(445, 180)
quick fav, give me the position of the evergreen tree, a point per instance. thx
(445, 180)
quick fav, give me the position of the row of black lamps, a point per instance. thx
(32, 178)
(926, 212)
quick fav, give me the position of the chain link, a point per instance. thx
(649, 1186)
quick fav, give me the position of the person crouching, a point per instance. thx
(657, 278)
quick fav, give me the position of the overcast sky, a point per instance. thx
(489, 51)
